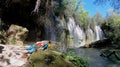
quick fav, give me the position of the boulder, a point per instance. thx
(100, 43)
(47, 58)
(113, 54)
(16, 34)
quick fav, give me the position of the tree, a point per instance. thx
(80, 15)
(111, 27)
(98, 18)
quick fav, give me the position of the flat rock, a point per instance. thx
(11, 56)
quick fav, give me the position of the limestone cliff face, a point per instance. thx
(16, 34)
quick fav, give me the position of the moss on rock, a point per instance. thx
(47, 58)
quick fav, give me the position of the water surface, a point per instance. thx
(92, 56)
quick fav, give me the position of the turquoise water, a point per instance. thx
(92, 56)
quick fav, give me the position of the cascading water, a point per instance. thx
(50, 33)
(80, 36)
(90, 35)
(99, 33)
(54, 28)
(77, 36)
(71, 26)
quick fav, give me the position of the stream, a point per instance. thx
(92, 56)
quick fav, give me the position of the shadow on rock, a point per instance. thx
(1, 49)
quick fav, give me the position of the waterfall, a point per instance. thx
(71, 26)
(50, 33)
(77, 36)
(80, 36)
(90, 35)
(54, 28)
(99, 33)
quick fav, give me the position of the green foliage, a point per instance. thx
(2, 33)
(71, 5)
(79, 62)
(13, 41)
(70, 37)
(98, 18)
(111, 28)
(60, 6)
(75, 9)
(83, 17)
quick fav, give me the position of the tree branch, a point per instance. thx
(36, 9)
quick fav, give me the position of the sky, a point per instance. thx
(92, 8)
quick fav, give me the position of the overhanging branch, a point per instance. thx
(36, 9)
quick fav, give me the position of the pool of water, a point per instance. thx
(92, 56)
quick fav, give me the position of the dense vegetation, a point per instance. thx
(111, 27)
(76, 60)
(111, 23)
